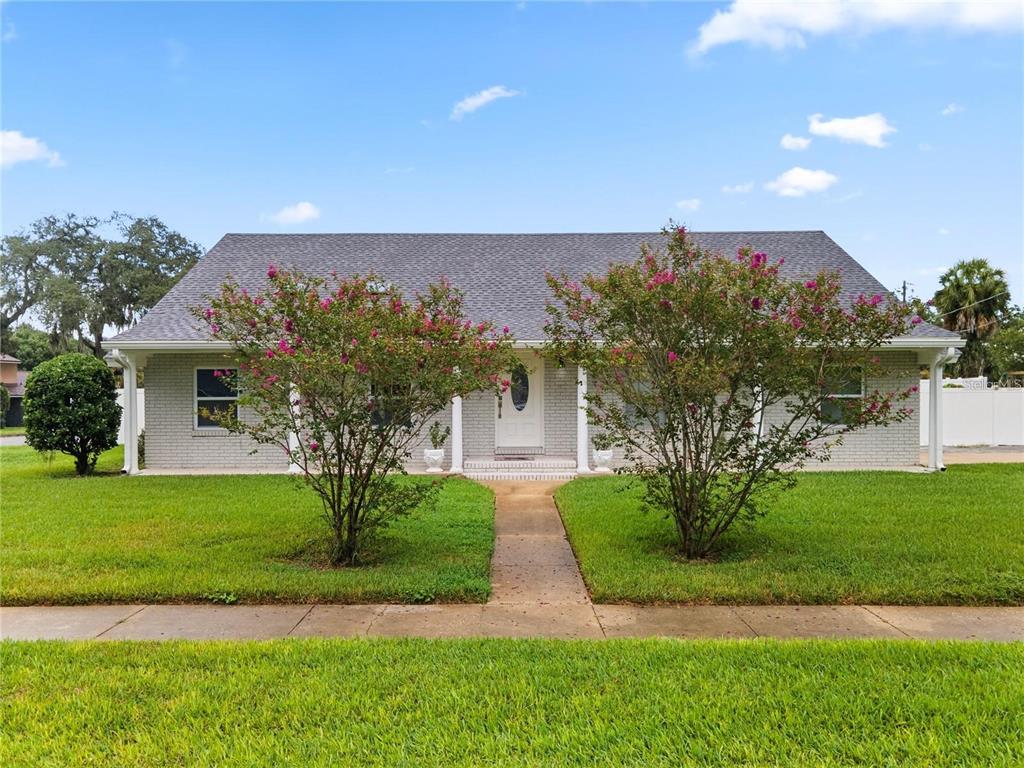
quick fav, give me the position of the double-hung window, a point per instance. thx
(383, 395)
(216, 394)
(839, 392)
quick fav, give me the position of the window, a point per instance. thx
(846, 389)
(389, 394)
(519, 389)
(216, 393)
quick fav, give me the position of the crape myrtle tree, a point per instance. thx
(717, 376)
(343, 374)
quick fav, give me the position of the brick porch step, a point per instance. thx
(520, 468)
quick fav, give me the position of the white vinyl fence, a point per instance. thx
(140, 393)
(977, 416)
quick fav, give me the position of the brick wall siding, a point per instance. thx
(559, 410)
(173, 442)
(895, 445)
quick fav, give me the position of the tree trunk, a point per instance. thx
(345, 544)
(97, 341)
(343, 549)
(82, 464)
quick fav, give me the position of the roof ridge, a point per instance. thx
(525, 234)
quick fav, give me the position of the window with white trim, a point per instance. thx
(833, 408)
(216, 391)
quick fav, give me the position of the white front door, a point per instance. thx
(520, 419)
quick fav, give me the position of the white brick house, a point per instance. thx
(542, 429)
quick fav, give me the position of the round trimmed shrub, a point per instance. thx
(71, 407)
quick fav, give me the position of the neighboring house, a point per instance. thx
(13, 381)
(542, 429)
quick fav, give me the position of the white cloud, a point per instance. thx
(925, 271)
(866, 129)
(788, 23)
(10, 33)
(689, 204)
(795, 143)
(951, 109)
(483, 98)
(18, 148)
(296, 214)
(738, 189)
(797, 182)
(943, 231)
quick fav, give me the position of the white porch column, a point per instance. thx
(130, 413)
(131, 422)
(935, 459)
(293, 438)
(456, 467)
(936, 392)
(934, 387)
(758, 427)
(582, 428)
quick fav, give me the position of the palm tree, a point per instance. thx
(972, 297)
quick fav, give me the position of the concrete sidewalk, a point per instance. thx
(561, 620)
(537, 592)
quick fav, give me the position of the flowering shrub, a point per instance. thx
(342, 375)
(713, 374)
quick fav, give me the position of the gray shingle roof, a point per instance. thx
(502, 275)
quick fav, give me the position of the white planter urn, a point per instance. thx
(433, 457)
(603, 460)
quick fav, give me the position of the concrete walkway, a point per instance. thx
(537, 592)
(980, 454)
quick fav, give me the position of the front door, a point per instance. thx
(520, 419)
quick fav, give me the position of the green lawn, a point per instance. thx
(509, 702)
(12, 430)
(193, 539)
(839, 537)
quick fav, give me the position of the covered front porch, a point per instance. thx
(537, 430)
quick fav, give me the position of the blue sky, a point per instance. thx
(587, 117)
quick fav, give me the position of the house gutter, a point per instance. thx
(202, 345)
